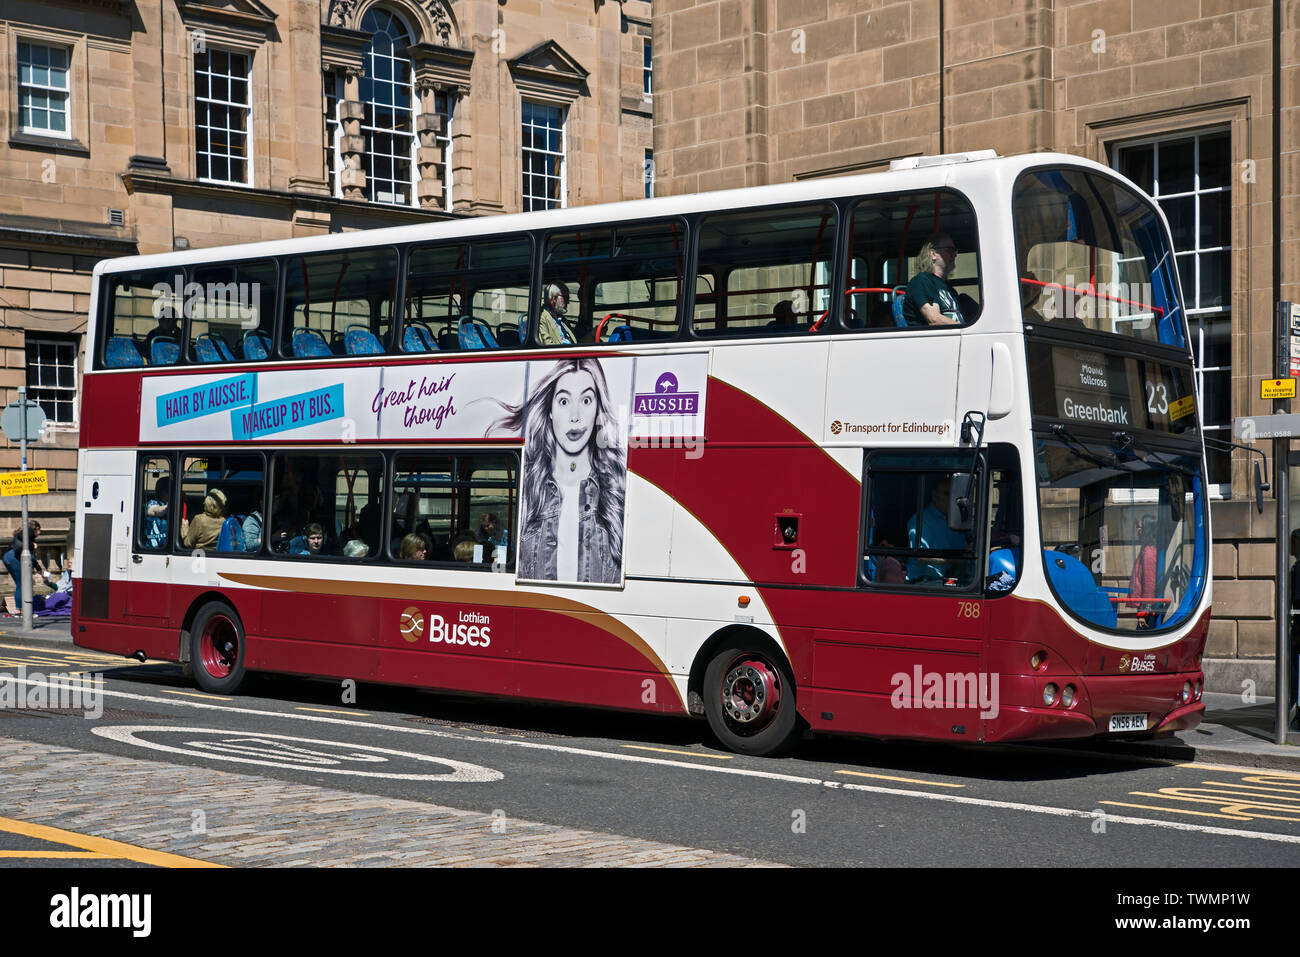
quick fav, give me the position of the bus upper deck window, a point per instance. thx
(913, 261)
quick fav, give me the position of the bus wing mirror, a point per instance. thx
(961, 502)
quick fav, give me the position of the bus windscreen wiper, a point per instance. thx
(1078, 448)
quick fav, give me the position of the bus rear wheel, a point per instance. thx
(749, 701)
(217, 649)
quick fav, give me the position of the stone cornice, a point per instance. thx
(144, 182)
(35, 231)
(343, 49)
(441, 67)
(243, 13)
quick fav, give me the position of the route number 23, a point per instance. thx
(1157, 398)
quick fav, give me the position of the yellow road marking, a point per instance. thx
(689, 754)
(1231, 769)
(886, 777)
(100, 845)
(1177, 810)
(355, 714)
(194, 694)
(62, 855)
(90, 655)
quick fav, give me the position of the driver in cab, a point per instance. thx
(928, 529)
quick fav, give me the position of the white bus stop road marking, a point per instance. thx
(722, 769)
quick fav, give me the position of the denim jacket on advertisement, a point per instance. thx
(539, 544)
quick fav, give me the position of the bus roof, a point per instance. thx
(957, 170)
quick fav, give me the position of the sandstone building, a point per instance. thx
(141, 126)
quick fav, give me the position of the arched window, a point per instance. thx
(389, 121)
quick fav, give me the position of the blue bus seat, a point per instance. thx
(896, 306)
(256, 344)
(1078, 589)
(164, 351)
(418, 337)
(210, 347)
(476, 334)
(231, 536)
(360, 341)
(309, 344)
(121, 353)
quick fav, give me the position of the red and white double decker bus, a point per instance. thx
(695, 455)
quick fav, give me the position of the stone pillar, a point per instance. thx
(428, 151)
(462, 156)
(352, 143)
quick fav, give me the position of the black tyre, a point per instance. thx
(217, 649)
(750, 703)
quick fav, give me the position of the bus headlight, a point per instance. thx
(1187, 691)
(1038, 660)
(1049, 694)
(1200, 688)
(1068, 696)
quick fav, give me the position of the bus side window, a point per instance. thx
(467, 295)
(774, 265)
(612, 284)
(232, 317)
(153, 519)
(908, 539)
(144, 319)
(219, 494)
(339, 303)
(897, 234)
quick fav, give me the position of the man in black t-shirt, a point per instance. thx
(930, 299)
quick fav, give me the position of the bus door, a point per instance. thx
(912, 659)
(149, 572)
(106, 533)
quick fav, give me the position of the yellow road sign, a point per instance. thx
(33, 482)
(1277, 389)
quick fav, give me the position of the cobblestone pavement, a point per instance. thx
(256, 822)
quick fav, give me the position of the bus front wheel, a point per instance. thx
(749, 701)
(217, 649)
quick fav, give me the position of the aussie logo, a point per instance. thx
(471, 628)
(1135, 665)
(666, 399)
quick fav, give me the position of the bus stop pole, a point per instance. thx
(25, 561)
(1283, 697)
(1281, 496)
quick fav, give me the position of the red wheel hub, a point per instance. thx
(751, 694)
(219, 646)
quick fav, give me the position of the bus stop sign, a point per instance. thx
(13, 420)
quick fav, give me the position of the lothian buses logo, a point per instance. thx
(666, 400)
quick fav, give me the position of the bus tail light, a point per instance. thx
(1049, 694)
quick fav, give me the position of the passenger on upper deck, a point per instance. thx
(166, 327)
(930, 298)
(782, 315)
(555, 304)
